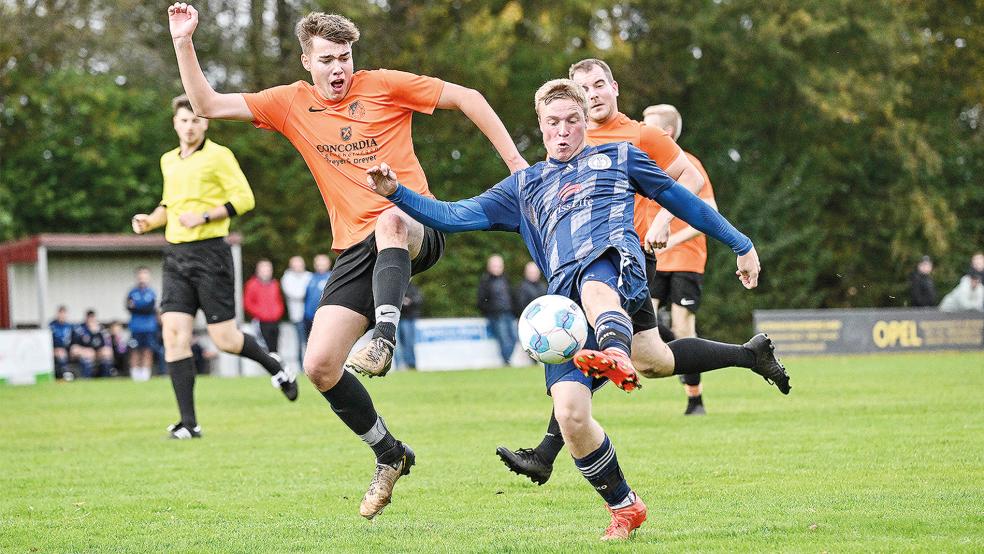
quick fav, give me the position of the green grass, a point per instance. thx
(866, 454)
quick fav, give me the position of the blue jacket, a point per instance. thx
(142, 304)
(312, 296)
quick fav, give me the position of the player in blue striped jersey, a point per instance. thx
(574, 211)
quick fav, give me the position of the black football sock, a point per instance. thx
(183, 380)
(105, 368)
(693, 355)
(691, 379)
(390, 277)
(665, 333)
(253, 351)
(86, 367)
(61, 364)
(352, 404)
(552, 441)
(601, 469)
(694, 401)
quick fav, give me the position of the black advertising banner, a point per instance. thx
(870, 330)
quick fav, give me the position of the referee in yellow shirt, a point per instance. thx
(203, 188)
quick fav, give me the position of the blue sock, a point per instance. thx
(601, 469)
(614, 330)
(86, 366)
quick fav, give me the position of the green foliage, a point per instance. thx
(843, 137)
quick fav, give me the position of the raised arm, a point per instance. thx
(183, 20)
(476, 108)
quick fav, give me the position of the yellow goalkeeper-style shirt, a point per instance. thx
(209, 177)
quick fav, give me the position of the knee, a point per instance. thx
(390, 226)
(321, 371)
(228, 342)
(572, 419)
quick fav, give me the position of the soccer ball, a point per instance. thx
(552, 329)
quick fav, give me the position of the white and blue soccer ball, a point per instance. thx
(552, 329)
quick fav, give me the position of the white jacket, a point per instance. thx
(294, 284)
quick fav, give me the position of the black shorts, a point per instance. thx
(674, 287)
(350, 284)
(197, 275)
(644, 319)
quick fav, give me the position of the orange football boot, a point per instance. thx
(610, 363)
(625, 521)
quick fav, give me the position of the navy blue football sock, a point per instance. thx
(614, 330)
(601, 469)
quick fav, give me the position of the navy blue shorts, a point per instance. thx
(143, 340)
(624, 278)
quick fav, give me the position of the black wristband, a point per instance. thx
(207, 217)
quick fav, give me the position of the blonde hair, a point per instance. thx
(587, 64)
(329, 26)
(560, 89)
(666, 114)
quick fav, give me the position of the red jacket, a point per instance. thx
(263, 301)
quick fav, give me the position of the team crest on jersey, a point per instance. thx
(346, 133)
(599, 162)
(356, 110)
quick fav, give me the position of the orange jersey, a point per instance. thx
(654, 142)
(340, 141)
(690, 255)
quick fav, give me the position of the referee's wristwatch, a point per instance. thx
(206, 217)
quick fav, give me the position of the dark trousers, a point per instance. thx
(503, 329)
(271, 334)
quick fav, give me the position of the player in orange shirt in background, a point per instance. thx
(606, 125)
(680, 265)
(343, 123)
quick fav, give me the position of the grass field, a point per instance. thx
(866, 454)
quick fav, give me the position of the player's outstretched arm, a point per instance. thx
(141, 223)
(450, 217)
(474, 105)
(182, 21)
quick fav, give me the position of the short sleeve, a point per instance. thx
(413, 92)
(659, 146)
(501, 204)
(270, 107)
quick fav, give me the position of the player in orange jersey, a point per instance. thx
(343, 123)
(679, 274)
(606, 125)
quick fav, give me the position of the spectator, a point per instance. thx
(141, 302)
(315, 288)
(61, 340)
(495, 303)
(406, 332)
(91, 343)
(977, 263)
(120, 346)
(532, 287)
(263, 303)
(294, 284)
(922, 291)
(968, 296)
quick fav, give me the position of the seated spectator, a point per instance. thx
(61, 340)
(968, 296)
(264, 303)
(922, 290)
(121, 348)
(91, 343)
(315, 288)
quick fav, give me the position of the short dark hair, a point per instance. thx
(90, 313)
(179, 102)
(587, 64)
(329, 26)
